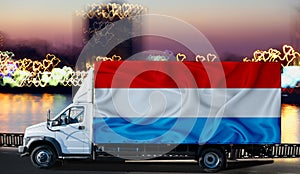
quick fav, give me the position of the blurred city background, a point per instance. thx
(40, 42)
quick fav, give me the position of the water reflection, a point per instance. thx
(290, 121)
(21, 110)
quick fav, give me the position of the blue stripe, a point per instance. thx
(187, 130)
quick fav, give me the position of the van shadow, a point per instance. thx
(247, 163)
(115, 165)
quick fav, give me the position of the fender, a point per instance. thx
(204, 146)
(33, 141)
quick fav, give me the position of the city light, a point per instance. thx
(287, 56)
(113, 58)
(41, 73)
(209, 58)
(46, 72)
(111, 11)
(26, 72)
(180, 57)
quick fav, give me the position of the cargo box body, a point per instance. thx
(140, 102)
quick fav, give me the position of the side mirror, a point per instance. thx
(51, 123)
(48, 115)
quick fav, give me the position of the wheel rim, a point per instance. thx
(43, 157)
(211, 160)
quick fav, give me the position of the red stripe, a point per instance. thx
(151, 74)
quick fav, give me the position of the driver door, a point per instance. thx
(72, 135)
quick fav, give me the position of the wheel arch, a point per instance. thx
(223, 149)
(45, 141)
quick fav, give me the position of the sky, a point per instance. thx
(232, 26)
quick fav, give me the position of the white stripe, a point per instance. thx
(187, 102)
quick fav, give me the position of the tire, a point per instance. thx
(211, 160)
(43, 157)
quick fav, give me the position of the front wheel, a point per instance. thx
(211, 160)
(43, 157)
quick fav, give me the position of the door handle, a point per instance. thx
(81, 127)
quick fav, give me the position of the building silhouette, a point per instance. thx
(99, 16)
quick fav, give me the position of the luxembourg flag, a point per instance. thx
(138, 102)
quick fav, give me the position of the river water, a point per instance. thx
(21, 110)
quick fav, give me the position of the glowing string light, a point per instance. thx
(210, 57)
(7, 65)
(113, 58)
(273, 55)
(111, 11)
(180, 57)
(46, 64)
(26, 72)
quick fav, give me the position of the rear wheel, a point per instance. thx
(43, 157)
(211, 160)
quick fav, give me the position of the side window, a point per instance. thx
(76, 114)
(72, 115)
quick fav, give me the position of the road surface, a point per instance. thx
(12, 163)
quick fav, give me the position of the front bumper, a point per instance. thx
(23, 151)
